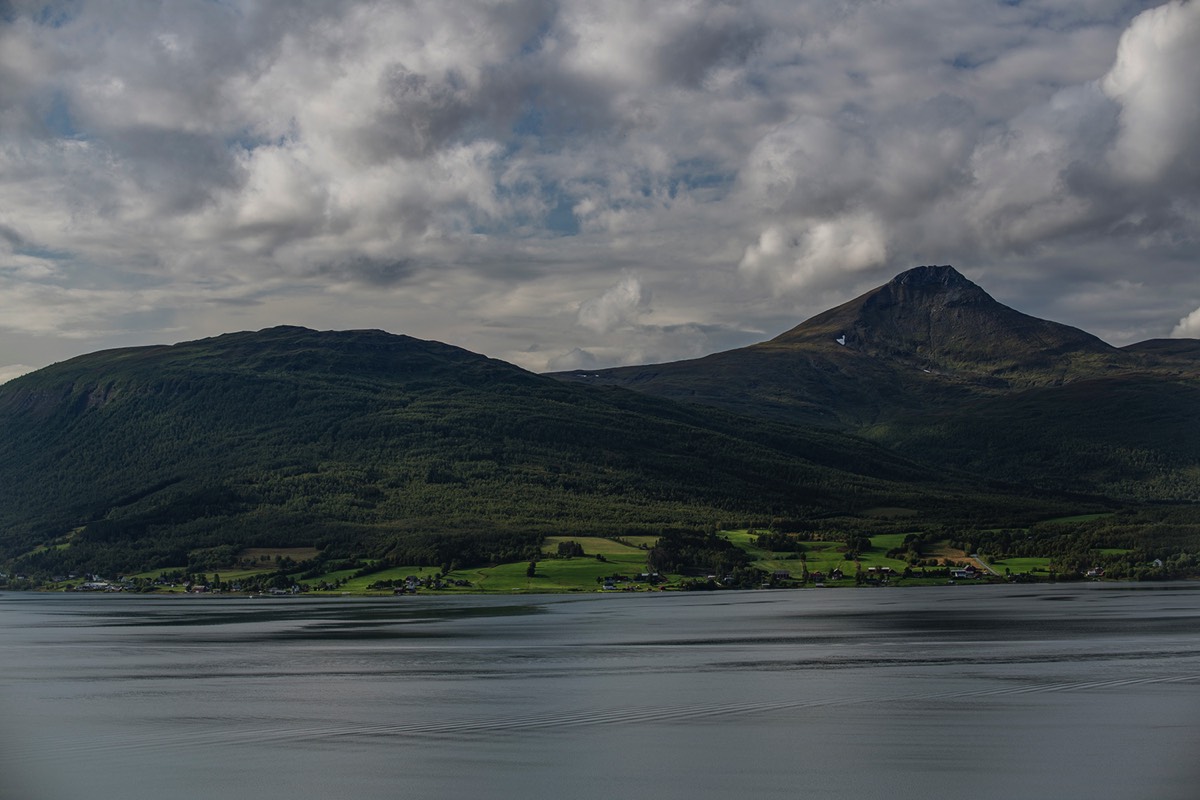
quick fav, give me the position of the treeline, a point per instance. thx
(1153, 542)
(692, 552)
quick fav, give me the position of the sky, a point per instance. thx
(566, 184)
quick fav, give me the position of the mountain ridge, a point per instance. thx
(930, 337)
(924, 394)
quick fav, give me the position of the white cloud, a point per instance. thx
(620, 306)
(479, 172)
(1188, 327)
(1155, 80)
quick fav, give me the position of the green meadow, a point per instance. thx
(603, 557)
(1022, 566)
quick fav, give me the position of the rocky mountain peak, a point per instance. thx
(946, 276)
(943, 285)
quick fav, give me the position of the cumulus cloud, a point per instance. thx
(479, 172)
(619, 306)
(1154, 81)
(1188, 327)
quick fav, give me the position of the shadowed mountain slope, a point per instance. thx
(930, 365)
(365, 440)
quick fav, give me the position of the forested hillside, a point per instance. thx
(367, 442)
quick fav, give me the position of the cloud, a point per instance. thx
(621, 305)
(576, 358)
(1188, 327)
(1154, 81)
(508, 175)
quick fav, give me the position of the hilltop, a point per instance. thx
(932, 366)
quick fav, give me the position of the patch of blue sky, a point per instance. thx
(249, 141)
(700, 176)
(966, 61)
(56, 15)
(534, 42)
(557, 219)
(561, 219)
(58, 119)
(531, 122)
(43, 253)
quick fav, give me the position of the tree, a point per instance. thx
(570, 549)
(531, 570)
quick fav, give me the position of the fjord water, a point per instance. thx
(993, 692)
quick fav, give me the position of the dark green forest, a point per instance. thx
(391, 447)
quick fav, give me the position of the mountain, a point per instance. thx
(924, 398)
(373, 442)
(933, 318)
(928, 338)
(932, 366)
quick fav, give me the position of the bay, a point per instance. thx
(1067, 691)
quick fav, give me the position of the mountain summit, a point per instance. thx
(926, 339)
(935, 318)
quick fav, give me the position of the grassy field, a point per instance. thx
(640, 541)
(1018, 566)
(552, 575)
(823, 557)
(594, 544)
(625, 557)
(557, 574)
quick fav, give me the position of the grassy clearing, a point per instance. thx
(640, 541)
(888, 541)
(942, 549)
(360, 585)
(555, 575)
(552, 575)
(823, 557)
(745, 540)
(1019, 566)
(592, 545)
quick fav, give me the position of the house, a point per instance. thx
(781, 575)
(1094, 572)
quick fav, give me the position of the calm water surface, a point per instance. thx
(1085, 691)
